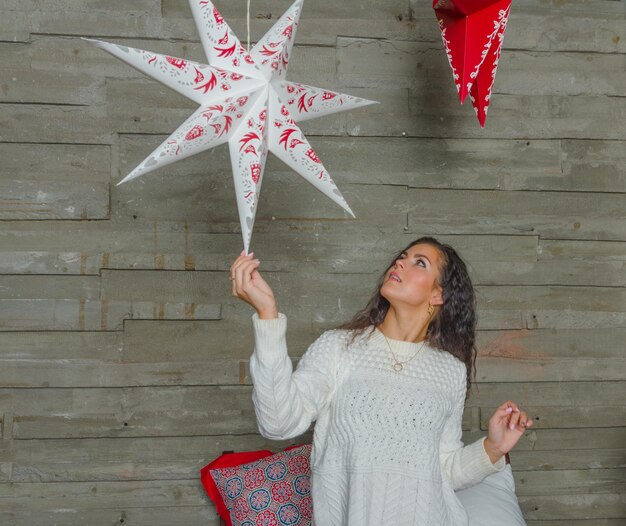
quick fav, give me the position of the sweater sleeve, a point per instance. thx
(286, 402)
(464, 466)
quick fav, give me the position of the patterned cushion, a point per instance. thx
(272, 491)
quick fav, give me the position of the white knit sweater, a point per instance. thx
(387, 445)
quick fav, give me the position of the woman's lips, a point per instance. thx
(394, 277)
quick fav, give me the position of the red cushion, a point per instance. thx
(227, 460)
(297, 498)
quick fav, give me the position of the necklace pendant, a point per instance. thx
(397, 367)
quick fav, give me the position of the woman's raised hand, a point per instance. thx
(249, 286)
(506, 426)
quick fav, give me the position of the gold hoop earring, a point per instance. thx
(431, 309)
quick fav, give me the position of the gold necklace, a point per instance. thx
(398, 365)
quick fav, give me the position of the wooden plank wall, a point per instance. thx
(123, 362)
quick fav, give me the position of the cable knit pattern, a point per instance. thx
(387, 446)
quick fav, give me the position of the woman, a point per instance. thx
(387, 392)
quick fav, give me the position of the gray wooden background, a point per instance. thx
(123, 356)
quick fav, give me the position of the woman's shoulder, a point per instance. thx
(340, 339)
(448, 361)
(327, 347)
(335, 336)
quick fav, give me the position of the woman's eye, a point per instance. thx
(420, 262)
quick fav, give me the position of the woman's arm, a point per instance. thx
(286, 402)
(463, 466)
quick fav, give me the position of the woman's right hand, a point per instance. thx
(249, 286)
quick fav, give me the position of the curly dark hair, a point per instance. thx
(453, 328)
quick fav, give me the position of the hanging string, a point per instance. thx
(248, 26)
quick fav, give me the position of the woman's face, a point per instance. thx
(412, 279)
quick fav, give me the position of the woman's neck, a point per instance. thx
(405, 326)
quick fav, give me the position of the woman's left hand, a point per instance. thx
(506, 426)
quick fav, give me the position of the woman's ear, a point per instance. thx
(437, 297)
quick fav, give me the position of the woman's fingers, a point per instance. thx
(512, 416)
(523, 419)
(508, 407)
(505, 410)
(242, 274)
(245, 288)
(515, 418)
(238, 262)
(247, 269)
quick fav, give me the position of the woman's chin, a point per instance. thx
(389, 292)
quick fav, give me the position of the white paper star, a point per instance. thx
(245, 101)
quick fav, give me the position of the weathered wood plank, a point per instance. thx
(550, 368)
(550, 355)
(162, 411)
(61, 287)
(201, 515)
(438, 114)
(45, 199)
(102, 495)
(164, 353)
(574, 507)
(367, 62)
(566, 318)
(119, 459)
(573, 522)
(567, 250)
(601, 161)
(576, 459)
(55, 162)
(26, 85)
(45, 123)
(562, 394)
(90, 17)
(550, 272)
(99, 373)
(58, 345)
(85, 248)
(561, 215)
(54, 181)
(569, 482)
(91, 315)
(14, 27)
